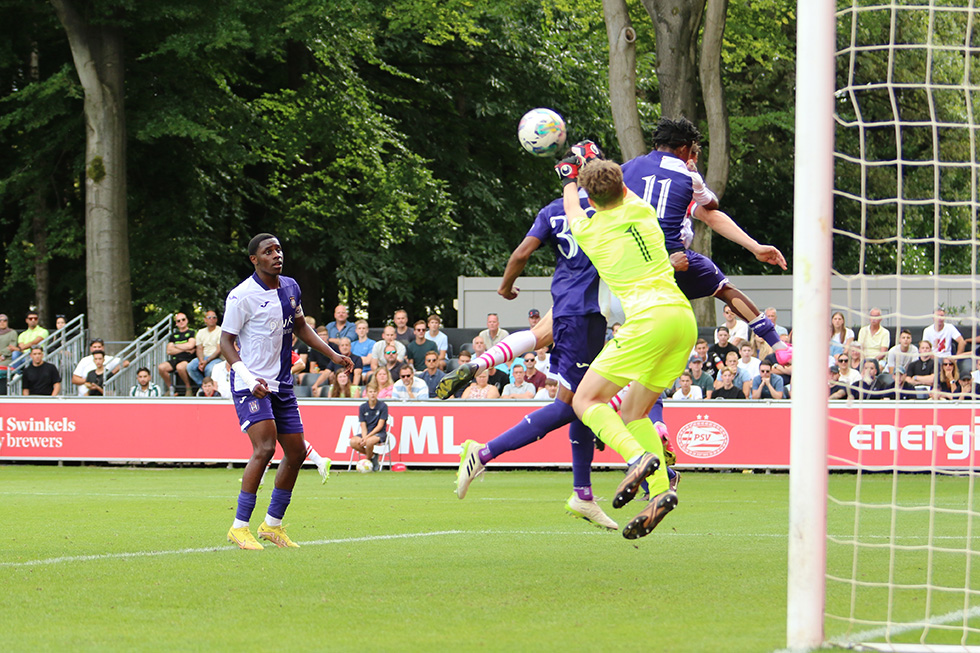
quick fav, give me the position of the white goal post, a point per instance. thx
(886, 555)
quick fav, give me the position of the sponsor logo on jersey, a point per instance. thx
(702, 438)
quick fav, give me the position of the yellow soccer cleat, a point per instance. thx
(276, 535)
(244, 538)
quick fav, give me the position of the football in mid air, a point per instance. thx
(364, 466)
(541, 132)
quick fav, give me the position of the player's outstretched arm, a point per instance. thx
(515, 265)
(724, 225)
(567, 170)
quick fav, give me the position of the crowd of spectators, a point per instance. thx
(408, 363)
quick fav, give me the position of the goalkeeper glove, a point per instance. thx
(588, 150)
(568, 168)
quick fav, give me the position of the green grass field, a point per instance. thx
(136, 559)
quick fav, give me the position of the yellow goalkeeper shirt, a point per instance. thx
(626, 246)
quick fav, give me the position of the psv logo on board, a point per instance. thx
(702, 438)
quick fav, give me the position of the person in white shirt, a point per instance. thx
(738, 330)
(901, 354)
(848, 374)
(943, 336)
(686, 390)
(438, 337)
(87, 364)
(747, 362)
(549, 391)
(261, 314)
(143, 387)
(519, 389)
(409, 386)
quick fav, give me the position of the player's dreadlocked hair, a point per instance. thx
(675, 133)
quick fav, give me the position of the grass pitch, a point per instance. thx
(136, 559)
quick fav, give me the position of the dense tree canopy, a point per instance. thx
(377, 139)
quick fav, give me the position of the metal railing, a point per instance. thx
(149, 350)
(63, 349)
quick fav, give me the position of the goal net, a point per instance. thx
(901, 531)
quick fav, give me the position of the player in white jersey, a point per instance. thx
(262, 313)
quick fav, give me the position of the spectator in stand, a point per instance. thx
(613, 330)
(532, 375)
(144, 387)
(27, 339)
(738, 331)
(408, 385)
(493, 333)
(499, 379)
(747, 362)
(8, 345)
(180, 349)
(298, 365)
(901, 354)
(784, 371)
(771, 314)
(767, 385)
(871, 385)
(943, 337)
(438, 337)
(221, 375)
(463, 358)
(948, 383)
(520, 388)
(87, 364)
(922, 371)
(95, 379)
(839, 333)
(727, 389)
(416, 350)
(431, 375)
(363, 347)
(302, 350)
(838, 387)
(701, 351)
(382, 379)
(387, 341)
(740, 378)
(686, 390)
(718, 353)
(329, 373)
(549, 391)
(848, 374)
(390, 362)
(403, 334)
(900, 388)
(317, 361)
(373, 417)
(208, 388)
(341, 387)
(874, 340)
(760, 347)
(695, 366)
(967, 390)
(533, 317)
(340, 327)
(543, 363)
(40, 377)
(481, 388)
(207, 349)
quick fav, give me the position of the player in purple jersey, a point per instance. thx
(668, 180)
(262, 313)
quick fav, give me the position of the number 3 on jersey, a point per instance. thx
(567, 246)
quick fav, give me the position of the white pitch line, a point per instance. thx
(898, 629)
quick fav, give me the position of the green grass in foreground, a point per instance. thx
(389, 561)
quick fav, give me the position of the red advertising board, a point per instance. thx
(706, 434)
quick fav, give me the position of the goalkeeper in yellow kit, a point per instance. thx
(624, 241)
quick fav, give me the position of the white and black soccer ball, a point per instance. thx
(541, 132)
(364, 466)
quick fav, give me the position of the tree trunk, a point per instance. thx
(713, 93)
(622, 78)
(39, 226)
(675, 24)
(97, 51)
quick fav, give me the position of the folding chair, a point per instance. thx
(383, 450)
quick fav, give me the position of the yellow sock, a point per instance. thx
(609, 428)
(646, 435)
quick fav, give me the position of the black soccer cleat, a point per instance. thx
(644, 523)
(645, 466)
(455, 380)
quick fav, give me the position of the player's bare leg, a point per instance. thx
(263, 437)
(743, 307)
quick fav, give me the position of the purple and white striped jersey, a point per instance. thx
(262, 319)
(575, 284)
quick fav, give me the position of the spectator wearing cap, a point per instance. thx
(8, 345)
(695, 365)
(87, 364)
(533, 317)
(434, 322)
(493, 334)
(838, 387)
(967, 391)
(901, 388)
